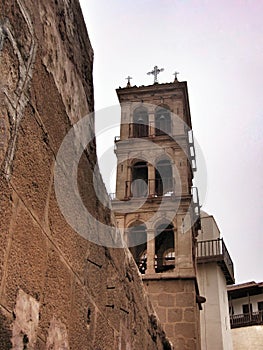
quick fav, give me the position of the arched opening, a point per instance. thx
(137, 242)
(140, 122)
(139, 186)
(164, 248)
(162, 121)
(164, 178)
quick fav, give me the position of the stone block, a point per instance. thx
(6, 209)
(185, 329)
(162, 314)
(57, 295)
(169, 330)
(27, 260)
(166, 299)
(189, 315)
(32, 164)
(185, 299)
(173, 286)
(5, 330)
(175, 315)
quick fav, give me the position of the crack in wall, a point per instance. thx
(17, 100)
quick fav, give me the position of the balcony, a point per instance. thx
(145, 130)
(244, 320)
(161, 264)
(215, 251)
(149, 188)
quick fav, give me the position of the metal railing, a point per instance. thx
(161, 264)
(155, 187)
(215, 250)
(243, 320)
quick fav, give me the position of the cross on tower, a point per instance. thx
(175, 75)
(155, 72)
(129, 80)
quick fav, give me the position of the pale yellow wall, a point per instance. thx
(248, 338)
(214, 318)
(209, 228)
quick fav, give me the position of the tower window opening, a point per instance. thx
(164, 248)
(139, 185)
(137, 242)
(140, 122)
(164, 184)
(162, 121)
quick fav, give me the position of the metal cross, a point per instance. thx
(175, 76)
(155, 72)
(129, 80)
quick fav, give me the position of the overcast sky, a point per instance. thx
(217, 46)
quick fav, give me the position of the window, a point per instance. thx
(247, 308)
(137, 242)
(260, 306)
(140, 122)
(142, 262)
(139, 186)
(169, 257)
(162, 121)
(163, 178)
(164, 247)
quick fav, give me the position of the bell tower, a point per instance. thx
(155, 205)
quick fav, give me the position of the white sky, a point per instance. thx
(217, 46)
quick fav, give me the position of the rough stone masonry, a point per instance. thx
(57, 289)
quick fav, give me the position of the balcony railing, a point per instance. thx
(144, 130)
(149, 187)
(215, 251)
(244, 320)
(160, 265)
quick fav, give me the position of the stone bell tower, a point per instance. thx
(156, 206)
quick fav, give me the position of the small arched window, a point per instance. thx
(140, 122)
(137, 242)
(164, 247)
(163, 178)
(139, 185)
(162, 121)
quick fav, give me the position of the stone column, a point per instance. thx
(150, 251)
(151, 180)
(128, 183)
(151, 124)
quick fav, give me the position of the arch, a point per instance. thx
(163, 123)
(164, 247)
(137, 242)
(164, 183)
(139, 185)
(140, 122)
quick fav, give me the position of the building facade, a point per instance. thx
(246, 315)
(155, 204)
(215, 271)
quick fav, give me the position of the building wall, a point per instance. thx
(173, 291)
(175, 305)
(57, 289)
(248, 338)
(214, 318)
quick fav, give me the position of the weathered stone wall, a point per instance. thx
(57, 289)
(175, 304)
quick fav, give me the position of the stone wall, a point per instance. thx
(175, 303)
(57, 289)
